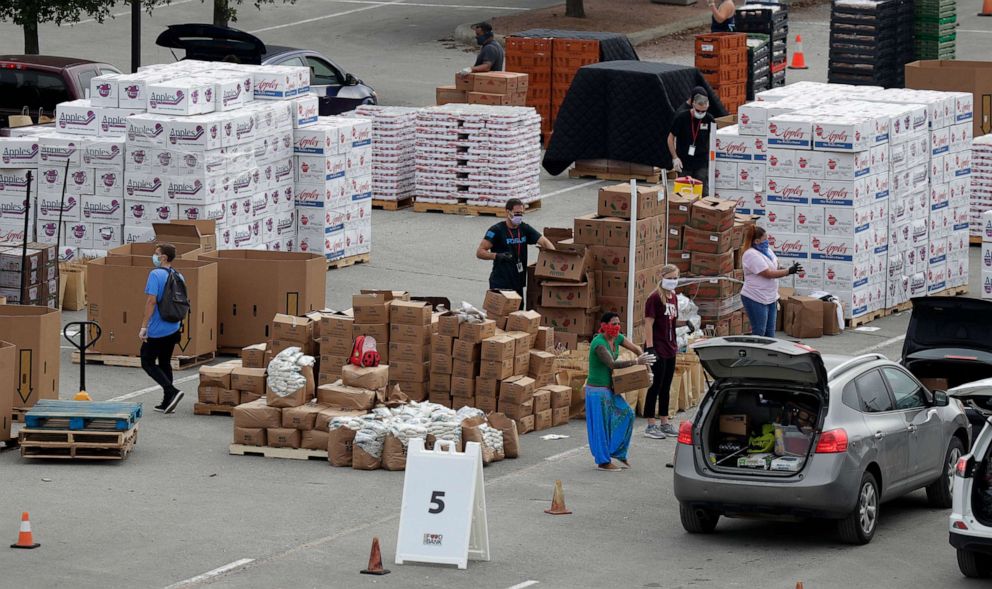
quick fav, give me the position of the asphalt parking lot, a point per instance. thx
(182, 512)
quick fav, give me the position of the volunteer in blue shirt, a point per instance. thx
(506, 244)
(159, 337)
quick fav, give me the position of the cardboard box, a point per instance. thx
(442, 344)
(410, 313)
(629, 379)
(248, 379)
(366, 378)
(216, 376)
(253, 356)
(522, 342)
(204, 394)
(247, 397)
(562, 266)
(501, 303)
(450, 94)
(283, 437)
(341, 396)
(379, 331)
(302, 417)
(525, 321)
(488, 405)
(957, 76)
(521, 363)
(440, 383)
(116, 291)
(516, 410)
(590, 230)
(314, 439)
(409, 371)
(540, 363)
(497, 370)
(476, 332)
(803, 317)
(561, 396)
(459, 401)
(525, 424)
(8, 386)
(371, 308)
(545, 339)
(296, 398)
(463, 387)
(499, 82)
(442, 363)
(487, 388)
(466, 351)
(542, 400)
(294, 329)
(559, 416)
(703, 264)
(498, 348)
(734, 425)
(679, 208)
(294, 284)
(580, 322)
(464, 369)
(324, 418)
(516, 389)
(569, 295)
(408, 352)
(416, 391)
(229, 397)
(935, 384)
(184, 251)
(449, 324)
(614, 201)
(413, 334)
(257, 415)
(708, 242)
(712, 214)
(250, 436)
(542, 420)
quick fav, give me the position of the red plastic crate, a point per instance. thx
(720, 42)
(532, 61)
(715, 61)
(726, 75)
(779, 66)
(526, 45)
(576, 48)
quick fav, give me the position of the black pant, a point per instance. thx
(702, 174)
(660, 391)
(156, 360)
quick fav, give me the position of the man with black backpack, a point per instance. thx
(165, 309)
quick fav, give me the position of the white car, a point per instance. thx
(971, 512)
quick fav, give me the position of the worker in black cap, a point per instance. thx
(490, 58)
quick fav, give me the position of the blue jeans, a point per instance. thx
(762, 317)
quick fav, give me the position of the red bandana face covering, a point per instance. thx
(609, 330)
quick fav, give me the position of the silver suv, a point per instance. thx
(778, 435)
(971, 515)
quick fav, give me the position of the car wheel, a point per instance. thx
(973, 565)
(939, 492)
(696, 520)
(859, 526)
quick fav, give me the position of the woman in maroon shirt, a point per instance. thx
(661, 313)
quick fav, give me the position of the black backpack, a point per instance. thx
(174, 305)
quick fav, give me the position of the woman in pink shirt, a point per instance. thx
(760, 292)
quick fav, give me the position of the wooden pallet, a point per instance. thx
(651, 179)
(465, 209)
(178, 362)
(900, 308)
(866, 318)
(392, 205)
(229, 352)
(954, 291)
(270, 452)
(348, 261)
(212, 409)
(17, 416)
(975, 240)
(77, 445)
(83, 415)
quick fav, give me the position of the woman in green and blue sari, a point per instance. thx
(609, 419)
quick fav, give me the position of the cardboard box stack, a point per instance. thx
(987, 255)
(981, 188)
(492, 88)
(479, 154)
(867, 188)
(8, 386)
(40, 275)
(394, 131)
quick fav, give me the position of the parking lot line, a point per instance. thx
(214, 573)
(424, 5)
(147, 390)
(115, 15)
(880, 345)
(524, 584)
(324, 17)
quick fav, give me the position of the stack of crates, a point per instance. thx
(722, 59)
(759, 64)
(569, 55)
(771, 19)
(865, 43)
(934, 29)
(533, 57)
(906, 31)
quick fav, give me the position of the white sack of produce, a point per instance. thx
(284, 375)
(371, 437)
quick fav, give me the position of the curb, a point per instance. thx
(465, 35)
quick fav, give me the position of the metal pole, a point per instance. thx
(24, 241)
(135, 35)
(631, 265)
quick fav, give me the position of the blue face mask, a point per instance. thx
(156, 261)
(763, 248)
(481, 39)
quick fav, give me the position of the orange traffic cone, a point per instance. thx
(375, 560)
(558, 502)
(986, 8)
(24, 538)
(798, 57)
(799, 585)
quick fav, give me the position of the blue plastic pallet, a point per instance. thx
(79, 415)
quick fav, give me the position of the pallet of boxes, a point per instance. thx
(492, 88)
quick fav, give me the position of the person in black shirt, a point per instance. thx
(685, 106)
(506, 244)
(490, 58)
(689, 140)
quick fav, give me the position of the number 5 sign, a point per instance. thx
(443, 515)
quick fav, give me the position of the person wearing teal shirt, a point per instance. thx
(609, 419)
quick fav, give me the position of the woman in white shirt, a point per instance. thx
(760, 292)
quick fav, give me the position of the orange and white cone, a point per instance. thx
(25, 539)
(558, 501)
(798, 57)
(375, 560)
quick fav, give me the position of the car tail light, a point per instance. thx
(959, 525)
(685, 433)
(956, 357)
(964, 467)
(832, 442)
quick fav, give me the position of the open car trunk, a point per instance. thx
(981, 493)
(947, 341)
(760, 430)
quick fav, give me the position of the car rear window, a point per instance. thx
(31, 88)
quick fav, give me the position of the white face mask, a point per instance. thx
(698, 115)
(669, 283)
(517, 219)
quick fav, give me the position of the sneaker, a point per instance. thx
(160, 407)
(669, 430)
(653, 432)
(171, 407)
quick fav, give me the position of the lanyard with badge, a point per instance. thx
(517, 238)
(694, 127)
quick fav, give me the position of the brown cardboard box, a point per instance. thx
(617, 284)
(332, 363)
(74, 282)
(229, 397)
(253, 356)
(249, 436)
(957, 76)
(630, 379)
(324, 417)
(544, 341)
(464, 369)
(462, 387)
(616, 259)
(707, 242)
(204, 394)
(282, 437)
(443, 399)
(440, 383)
(516, 410)
(674, 237)
(314, 440)
(459, 401)
(499, 82)
(450, 94)
(681, 260)
(614, 201)
(618, 231)
(277, 346)
(803, 317)
(703, 264)
(257, 414)
(448, 324)
(737, 323)
(184, 251)
(296, 398)
(521, 363)
(408, 352)
(294, 329)
(216, 376)
(247, 397)
(116, 287)
(679, 210)
(565, 295)
(340, 396)
(561, 396)
(525, 424)
(442, 363)
(248, 379)
(302, 417)
(522, 342)
(590, 230)
(574, 321)
(563, 266)
(410, 313)
(487, 388)
(497, 370)
(516, 389)
(487, 405)
(559, 416)
(466, 351)
(525, 321)
(734, 425)
(204, 233)
(416, 391)
(409, 371)
(371, 308)
(540, 364)
(498, 348)
(378, 331)
(712, 214)
(476, 332)
(542, 400)
(414, 334)
(491, 99)
(501, 303)
(376, 377)
(442, 344)
(8, 386)
(336, 324)
(542, 420)
(831, 325)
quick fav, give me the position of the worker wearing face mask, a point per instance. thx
(158, 336)
(689, 140)
(506, 244)
(490, 58)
